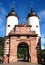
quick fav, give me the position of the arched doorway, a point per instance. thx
(23, 52)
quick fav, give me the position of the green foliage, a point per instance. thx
(43, 53)
(21, 52)
(1, 45)
(1, 40)
(1, 50)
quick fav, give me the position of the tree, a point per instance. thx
(1, 45)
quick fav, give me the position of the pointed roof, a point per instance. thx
(32, 13)
(12, 13)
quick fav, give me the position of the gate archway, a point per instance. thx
(23, 52)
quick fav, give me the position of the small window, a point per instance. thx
(27, 29)
(37, 26)
(18, 29)
(30, 25)
(8, 25)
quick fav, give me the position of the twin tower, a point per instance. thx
(32, 18)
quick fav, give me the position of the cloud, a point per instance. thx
(2, 31)
(42, 15)
(42, 27)
(3, 13)
(42, 42)
(42, 20)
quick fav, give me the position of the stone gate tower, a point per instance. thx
(22, 35)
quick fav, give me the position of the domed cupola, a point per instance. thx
(32, 13)
(33, 20)
(12, 13)
(12, 20)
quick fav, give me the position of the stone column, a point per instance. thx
(5, 60)
(33, 50)
(6, 51)
(13, 50)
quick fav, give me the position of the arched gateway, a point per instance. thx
(21, 45)
(23, 52)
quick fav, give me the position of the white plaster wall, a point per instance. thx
(34, 21)
(12, 21)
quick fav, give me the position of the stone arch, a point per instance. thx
(25, 50)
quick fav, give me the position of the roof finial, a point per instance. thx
(32, 8)
(31, 5)
(13, 5)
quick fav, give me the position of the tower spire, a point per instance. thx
(13, 6)
(32, 8)
(31, 5)
(33, 20)
(32, 12)
(12, 20)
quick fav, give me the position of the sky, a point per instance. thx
(22, 8)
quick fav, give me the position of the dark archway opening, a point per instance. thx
(23, 52)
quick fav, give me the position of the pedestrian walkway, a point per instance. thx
(20, 63)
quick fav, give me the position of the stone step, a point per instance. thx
(20, 63)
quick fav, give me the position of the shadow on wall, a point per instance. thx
(38, 48)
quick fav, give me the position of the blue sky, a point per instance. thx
(22, 7)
